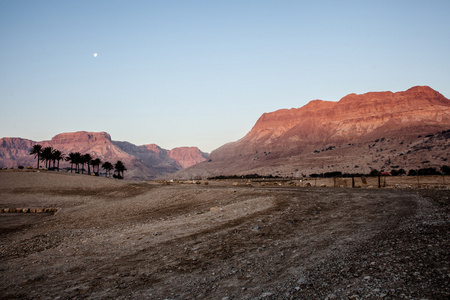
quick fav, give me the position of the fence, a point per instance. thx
(423, 181)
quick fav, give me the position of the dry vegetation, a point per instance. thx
(141, 240)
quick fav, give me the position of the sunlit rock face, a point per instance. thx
(288, 141)
(188, 156)
(142, 162)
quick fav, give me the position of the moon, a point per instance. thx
(95, 54)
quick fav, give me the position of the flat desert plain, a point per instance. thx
(115, 239)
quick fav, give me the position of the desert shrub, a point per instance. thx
(248, 176)
(429, 171)
(412, 172)
(350, 175)
(332, 174)
(400, 172)
(374, 172)
(445, 170)
(29, 168)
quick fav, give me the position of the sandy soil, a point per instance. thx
(139, 240)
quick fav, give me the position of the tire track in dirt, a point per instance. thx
(210, 242)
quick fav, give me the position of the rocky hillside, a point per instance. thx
(142, 162)
(188, 156)
(376, 130)
(15, 152)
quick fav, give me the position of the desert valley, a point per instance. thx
(142, 162)
(381, 131)
(170, 231)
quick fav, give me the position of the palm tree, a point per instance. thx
(120, 168)
(57, 155)
(96, 162)
(107, 166)
(77, 160)
(46, 155)
(87, 159)
(71, 158)
(36, 151)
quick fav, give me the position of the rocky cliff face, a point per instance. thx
(98, 144)
(289, 141)
(352, 117)
(15, 152)
(188, 156)
(153, 157)
(142, 162)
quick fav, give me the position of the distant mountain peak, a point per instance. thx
(188, 156)
(80, 136)
(142, 162)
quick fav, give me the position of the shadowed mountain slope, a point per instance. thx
(142, 162)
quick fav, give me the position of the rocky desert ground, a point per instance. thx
(113, 239)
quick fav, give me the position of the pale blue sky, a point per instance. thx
(200, 73)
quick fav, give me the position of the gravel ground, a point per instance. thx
(140, 240)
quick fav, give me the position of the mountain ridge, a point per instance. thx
(287, 140)
(358, 133)
(141, 161)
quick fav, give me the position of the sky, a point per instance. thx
(201, 73)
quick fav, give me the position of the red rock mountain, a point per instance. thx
(356, 134)
(15, 152)
(142, 162)
(188, 156)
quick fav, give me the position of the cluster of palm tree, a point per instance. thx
(47, 154)
(50, 155)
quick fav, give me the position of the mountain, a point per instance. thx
(142, 162)
(188, 156)
(15, 152)
(376, 130)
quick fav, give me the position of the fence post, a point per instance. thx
(418, 181)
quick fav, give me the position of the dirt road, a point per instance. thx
(139, 240)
